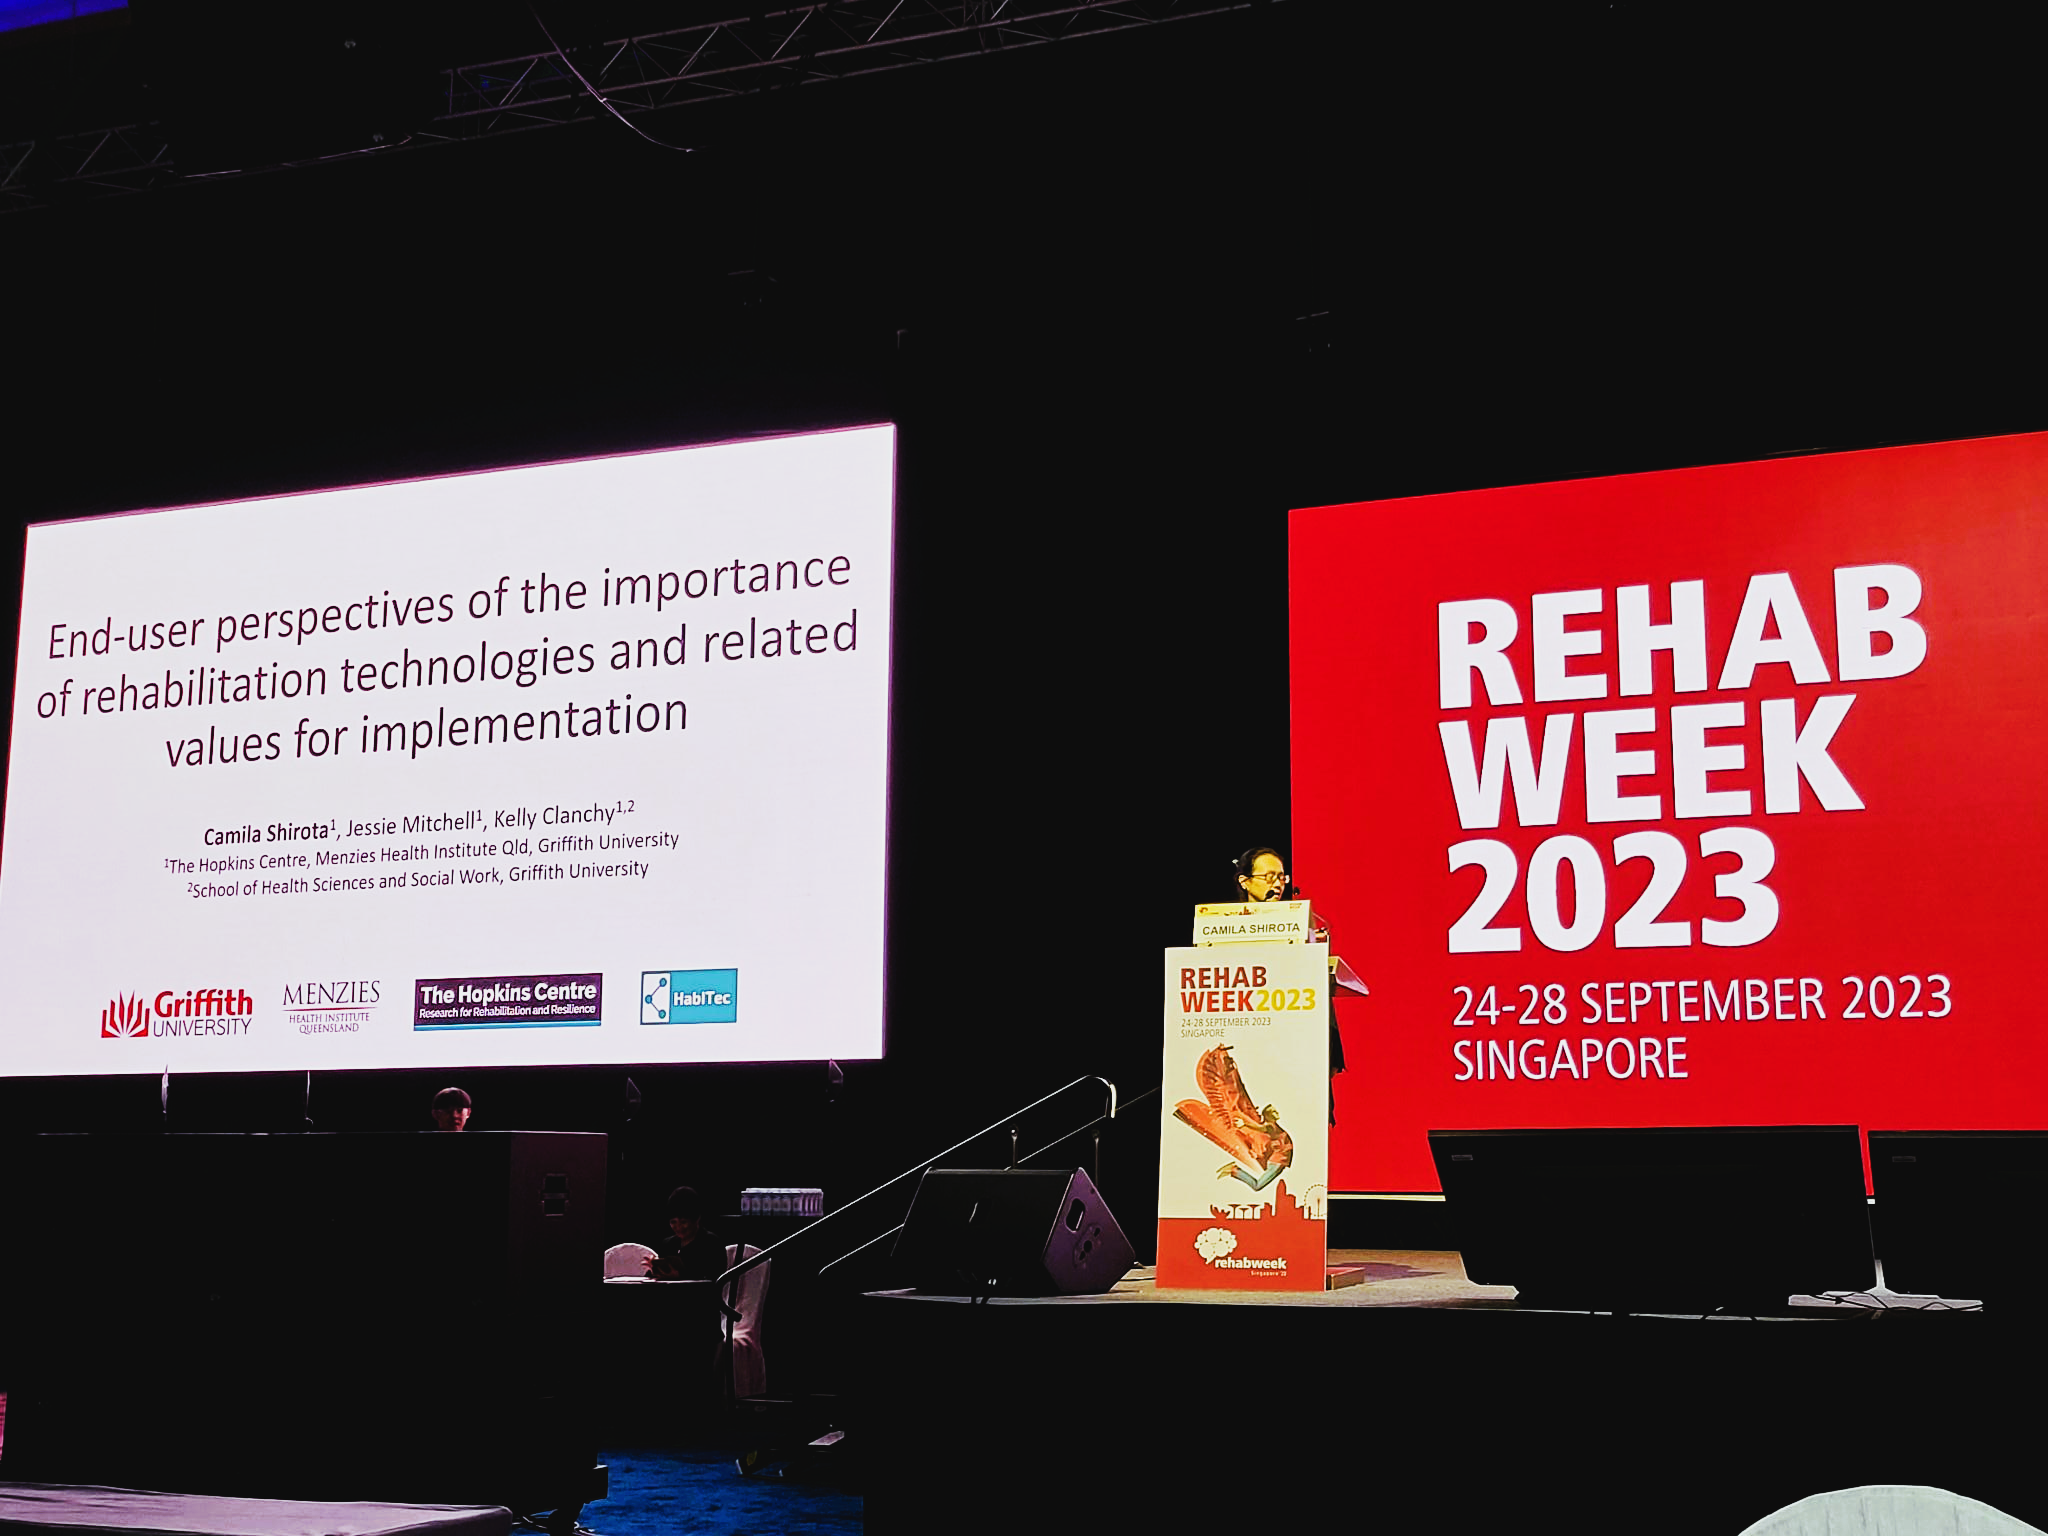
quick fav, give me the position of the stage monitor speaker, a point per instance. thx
(1011, 1232)
(1960, 1213)
(1668, 1219)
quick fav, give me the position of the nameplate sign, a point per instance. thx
(1252, 922)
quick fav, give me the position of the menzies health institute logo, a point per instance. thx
(223, 1012)
(339, 1007)
(690, 997)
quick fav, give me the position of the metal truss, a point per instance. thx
(797, 45)
(637, 77)
(78, 166)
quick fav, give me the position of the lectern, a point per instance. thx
(1244, 1147)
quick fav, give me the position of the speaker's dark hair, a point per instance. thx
(1245, 862)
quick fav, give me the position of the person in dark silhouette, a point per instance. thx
(691, 1251)
(451, 1110)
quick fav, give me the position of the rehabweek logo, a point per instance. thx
(330, 1007)
(690, 997)
(1217, 1244)
(222, 1012)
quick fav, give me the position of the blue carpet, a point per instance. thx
(663, 1491)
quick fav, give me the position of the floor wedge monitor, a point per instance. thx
(1665, 1219)
(1011, 1232)
(1959, 1213)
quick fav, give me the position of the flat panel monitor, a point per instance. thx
(1663, 1219)
(1960, 1213)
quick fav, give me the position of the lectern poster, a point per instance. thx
(1704, 797)
(1243, 1143)
(564, 763)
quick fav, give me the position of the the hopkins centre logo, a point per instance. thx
(509, 1002)
(222, 1012)
(690, 997)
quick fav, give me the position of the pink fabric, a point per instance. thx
(68, 1509)
(749, 1364)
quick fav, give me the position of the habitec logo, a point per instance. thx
(690, 997)
(207, 1011)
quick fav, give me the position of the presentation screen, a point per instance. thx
(1693, 798)
(578, 762)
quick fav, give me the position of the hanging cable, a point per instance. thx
(597, 95)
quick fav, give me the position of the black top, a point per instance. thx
(704, 1259)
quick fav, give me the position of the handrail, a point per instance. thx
(854, 1253)
(1078, 1130)
(762, 1256)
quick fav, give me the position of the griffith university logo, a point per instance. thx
(125, 1018)
(217, 1011)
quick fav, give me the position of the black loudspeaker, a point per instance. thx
(1011, 1232)
(1959, 1213)
(1663, 1219)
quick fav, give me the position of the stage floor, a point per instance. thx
(1358, 1277)
(1416, 1277)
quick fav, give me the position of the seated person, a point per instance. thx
(691, 1251)
(451, 1110)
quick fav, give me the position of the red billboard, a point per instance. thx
(1691, 798)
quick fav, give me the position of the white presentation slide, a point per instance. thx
(578, 762)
